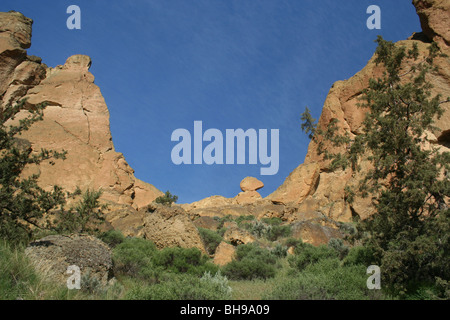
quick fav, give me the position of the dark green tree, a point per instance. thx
(408, 183)
(23, 203)
(167, 199)
(85, 216)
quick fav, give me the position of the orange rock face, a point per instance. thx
(311, 185)
(76, 119)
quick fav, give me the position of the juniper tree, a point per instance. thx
(85, 216)
(23, 202)
(167, 199)
(409, 185)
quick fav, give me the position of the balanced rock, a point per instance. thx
(251, 184)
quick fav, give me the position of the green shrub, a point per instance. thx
(167, 199)
(91, 285)
(243, 220)
(291, 242)
(133, 257)
(181, 260)
(220, 282)
(252, 262)
(85, 216)
(249, 269)
(260, 229)
(339, 246)
(307, 254)
(268, 228)
(222, 220)
(274, 221)
(326, 280)
(280, 251)
(359, 255)
(181, 287)
(112, 238)
(278, 231)
(211, 239)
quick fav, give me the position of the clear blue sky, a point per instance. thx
(162, 64)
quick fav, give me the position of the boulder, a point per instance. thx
(314, 233)
(206, 223)
(251, 184)
(53, 254)
(170, 227)
(247, 197)
(224, 254)
(237, 236)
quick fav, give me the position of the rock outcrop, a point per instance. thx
(76, 119)
(312, 186)
(251, 184)
(224, 254)
(170, 227)
(52, 256)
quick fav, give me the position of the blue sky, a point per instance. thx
(163, 64)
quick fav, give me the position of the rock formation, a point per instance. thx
(76, 119)
(224, 254)
(170, 227)
(311, 185)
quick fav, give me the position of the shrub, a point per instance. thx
(220, 281)
(91, 285)
(85, 217)
(167, 199)
(339, 246)
(326, 280)
(274, 221)
(280, 251)
(181, 260)
(133, 257)
(211, 239)
(269, 228)
(112, 238)
(260, 229)
(278, 231)
(291, 242)
(242, 220)
(181, 287)
(307, 254)
(252, 262)
(359, 255)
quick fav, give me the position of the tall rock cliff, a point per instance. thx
(311, 186)
(76, 119)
